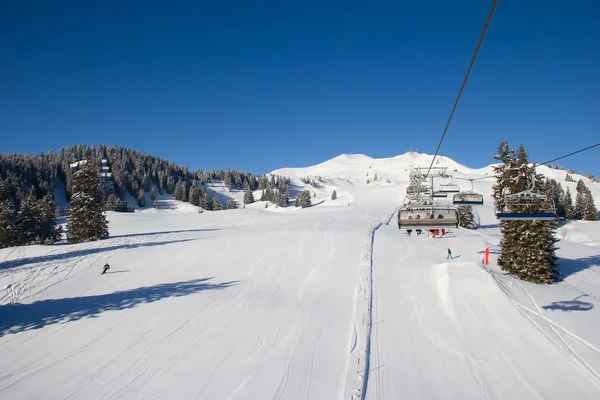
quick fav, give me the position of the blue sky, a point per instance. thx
(259, 85)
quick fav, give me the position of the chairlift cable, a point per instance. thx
(485, 27)
(570, 154)
(544, 163)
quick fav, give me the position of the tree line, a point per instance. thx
(28, 183)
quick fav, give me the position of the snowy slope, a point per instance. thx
(315, 303)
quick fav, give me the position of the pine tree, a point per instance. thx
(194, 196)
(248, 196)
(585, 208)
(217, 204)
(205, 200)
(141, 198)
(334, 195)
(8, 230)
(180, 191)
(465, 213)
(87, 221)
(580, 200)
(111, 203)
(528, 247)
(590, 212)
(26, 221)
(568, 205)
(304, 199)
(282, 199)
(153, 194)
(9, 206)
(231, 204)
(156, 204)
(48, 230)
(269, 194)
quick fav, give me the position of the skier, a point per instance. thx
(409, 231)
(105, 268)
(449, 255)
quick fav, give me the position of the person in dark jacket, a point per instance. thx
(449, 254)
(105, 268)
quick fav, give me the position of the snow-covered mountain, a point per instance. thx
(327, 302)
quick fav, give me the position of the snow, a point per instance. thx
(326, 302)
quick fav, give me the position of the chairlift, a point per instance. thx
(449, 188)
(467, 198)
(440, 194)
(418, 189)
(527, 198)
(422, 216)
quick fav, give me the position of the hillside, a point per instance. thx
(325, 302)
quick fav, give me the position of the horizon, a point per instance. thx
(268, 86)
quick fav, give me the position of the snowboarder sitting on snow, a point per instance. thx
(449, 255)
(105, 268)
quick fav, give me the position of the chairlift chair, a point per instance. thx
(468, 197)
(413, 189)
(421, 216)
(449, 188)
(526, 197)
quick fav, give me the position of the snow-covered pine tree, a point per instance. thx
(585, 208)
(248, 196)
(141, 198)
(156, 204)
(282, 199)
(569, 178)
(180, 191)
(111, 203)
(580, 199)
(87, 221)
(205, 200)
(305, 200)
(8, 213)
(48, 230)
(26, 221)
(465, 213)
(194, 196)
(270, 194)
(590, 212)
(231, 204)
(568, 204)
(153, 194)
(555, 194)
(527, 247)
(334, 195)
(217, 204)
(262, 195)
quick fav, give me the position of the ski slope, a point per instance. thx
(327, 302)
(442, 328)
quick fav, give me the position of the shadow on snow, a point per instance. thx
(15, 318)
(570, 305)
(570, 266)
(161, 233)
(82, 252)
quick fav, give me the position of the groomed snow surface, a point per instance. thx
(327, 302)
